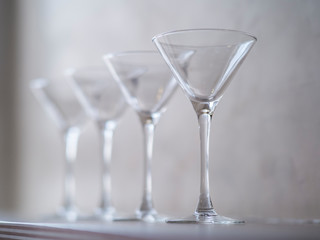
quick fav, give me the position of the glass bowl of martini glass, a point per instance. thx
(204, 61)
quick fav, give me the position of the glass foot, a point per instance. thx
(150, 217)
(206, 219)
(64, 215)
(102, 214)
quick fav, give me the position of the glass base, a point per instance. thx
(63, 215)
(149, 216)
(206, 219)
(102, 214)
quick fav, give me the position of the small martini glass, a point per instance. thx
(104, 103)
(59, 102)
(147, 85)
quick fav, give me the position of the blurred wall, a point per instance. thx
(7, 83)
(265, 136)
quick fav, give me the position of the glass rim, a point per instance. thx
(124, 53)
(202, 29)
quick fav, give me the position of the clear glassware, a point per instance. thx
(210, 60)
(147, 85)
(104, 103)
(59, 102)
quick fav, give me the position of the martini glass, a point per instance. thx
(59, 102)
(104, 103)
(147, 85)
(213, 57)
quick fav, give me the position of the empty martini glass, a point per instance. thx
(213, 57)
(104, 103)
(147, 85)
(60, 103)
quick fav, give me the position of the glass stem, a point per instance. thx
(205, 206)
(71, 137)
(106, 138)
(148, 127)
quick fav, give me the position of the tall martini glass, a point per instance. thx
(214, 55)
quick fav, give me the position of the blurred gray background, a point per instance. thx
(265, 138)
